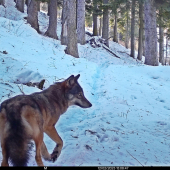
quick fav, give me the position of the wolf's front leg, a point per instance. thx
(55, 154)
(52, 133)
(44, 152)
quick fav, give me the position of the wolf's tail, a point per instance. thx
(16, 142)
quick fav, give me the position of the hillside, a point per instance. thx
(129, 123)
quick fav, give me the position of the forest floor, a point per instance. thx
(129, 123)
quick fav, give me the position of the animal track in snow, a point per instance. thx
(160, 100)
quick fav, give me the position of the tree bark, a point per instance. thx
(52, 28)
(100, 28)
(2, 2)
(127, 25)
(48, 13)
(143, 39)
(151, 57)
(20, 5)
(39, 5)
(95, 32)
(105, 30)
(64, 23)
(27, 2)
(32, 18)
(81, 22)
(115, 37)
(132, 54)
(161, 45)
(127, 33)
(72, 48)
(166, 50)
(140, 46)
(161, 39)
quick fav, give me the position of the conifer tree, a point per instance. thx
(151, 57)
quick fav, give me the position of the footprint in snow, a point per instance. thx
(162, 123)
(133, 97)
(104, 138)
(166, 107)
(160, 100)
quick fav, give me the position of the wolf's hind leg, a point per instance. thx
(4, 154)
(38, 143)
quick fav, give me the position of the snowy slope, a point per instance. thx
(129, 123)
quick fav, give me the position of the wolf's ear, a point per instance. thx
(70, 81)
(76, 78)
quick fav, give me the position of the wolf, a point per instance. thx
(24, 118)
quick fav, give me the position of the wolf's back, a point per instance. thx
(16, 142)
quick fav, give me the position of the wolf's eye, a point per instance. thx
(79, 95)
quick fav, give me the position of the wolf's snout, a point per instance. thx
(90, 105)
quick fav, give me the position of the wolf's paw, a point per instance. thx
(54, 156)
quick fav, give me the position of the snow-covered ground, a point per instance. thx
(129, 123)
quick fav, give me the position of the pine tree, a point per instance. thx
(72, 48)
(81, 22)
(105, 30)
(2, 2)
(141, 30)
(132, 54)
(95, 29)
(127, 24)
(39, 5)
(161, 37)
(51, 31)
(114, 7)
(64, 32)
(151, 57)
(32, 18)
(94, 9)
(115, 36)
(20, 5)
(100, 27)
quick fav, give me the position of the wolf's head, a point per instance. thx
(74, 93)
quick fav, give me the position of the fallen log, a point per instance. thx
(113, 53)
(100, 42)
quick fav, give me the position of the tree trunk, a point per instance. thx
(133, 29)
(20, 5)
(127, 33)
(81, 22)
(39, 5)
(2, 2)
(64, 23)
(161, 45)
(166, 50)
(52, 28)
(151, 57)
(140, 46)
(143, 39)
(32, 18)
(95, 32)
(127, 24)
(115, 37)
(161, 39)
(72, 48)
(27, 2)
(100, 28)
(48, 13)
(105, 30)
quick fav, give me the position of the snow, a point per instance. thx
(129, 122)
